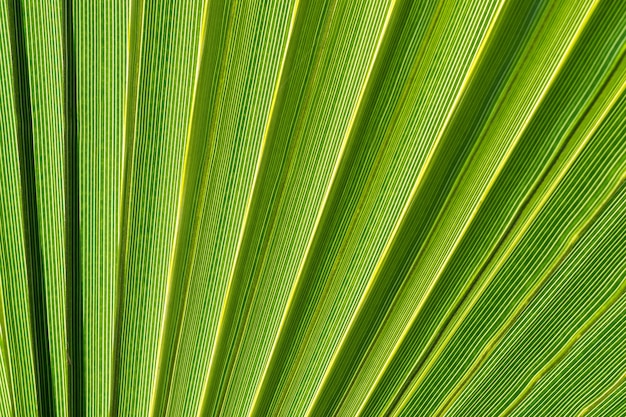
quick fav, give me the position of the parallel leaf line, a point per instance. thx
(489, 348)
(201, 411)
(562, 353)
(199, 201)
(405, 209)
(315, 319)
(322, 211)
(593, 404)
(492, 181)
(433, 356)
(134, 58)
(306, 99)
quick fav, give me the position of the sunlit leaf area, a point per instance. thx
(312, 208)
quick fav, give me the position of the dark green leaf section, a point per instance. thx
(15, 293)
(610, 403)
(73, 277)
(26, 134)
(603, 284)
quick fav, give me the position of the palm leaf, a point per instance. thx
(313, 208)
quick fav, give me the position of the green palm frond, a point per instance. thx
(313, 208)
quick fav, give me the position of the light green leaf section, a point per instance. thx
(255, 43)
(296, 131)
(39, 28)
(504, 143)
(583, 131)
(100, 33)
(43, 38)
(372, 201)
(313, 208)
(163, 39)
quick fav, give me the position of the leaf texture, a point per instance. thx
(313, 208)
